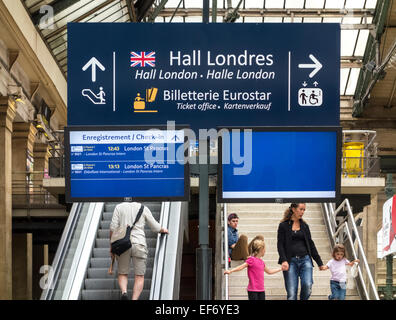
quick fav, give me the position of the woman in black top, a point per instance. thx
(296, 250)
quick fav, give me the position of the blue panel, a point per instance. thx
(204, 75)
(125, 163)
(283, 165)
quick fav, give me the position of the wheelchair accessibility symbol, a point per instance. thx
(312, 97)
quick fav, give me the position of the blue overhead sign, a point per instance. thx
(124, 163)
(281, 164)
(204, 75)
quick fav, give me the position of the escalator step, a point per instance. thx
(153, 206)
(104, 252)
(107, 215)
(101, 273)
(105, 262)
(105, 243)
(110, 294)
(105, 234)
(105, 225)
(106, 284)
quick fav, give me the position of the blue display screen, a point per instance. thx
(118, 164)
(266, 166)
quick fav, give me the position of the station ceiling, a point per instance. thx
(360, 20)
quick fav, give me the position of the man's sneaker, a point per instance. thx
(124, 296)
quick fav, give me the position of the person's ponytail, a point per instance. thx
(289, 212)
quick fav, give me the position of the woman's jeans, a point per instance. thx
(338, 290)
(299, 268)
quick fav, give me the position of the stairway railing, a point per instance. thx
(225, 253)
(338, 230)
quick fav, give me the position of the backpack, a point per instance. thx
(121, 237)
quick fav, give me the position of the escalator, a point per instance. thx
(80, 268)
(98, 284)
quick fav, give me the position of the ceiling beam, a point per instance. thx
(80, 18)
(131, 10)
(279, 13)
(367, 79)
(160, 8)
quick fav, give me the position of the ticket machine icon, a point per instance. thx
(139, 104)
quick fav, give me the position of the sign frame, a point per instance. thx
(295, 63)
(70, 199)
(337, 129)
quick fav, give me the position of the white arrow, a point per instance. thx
(316, 65)
(94, 63)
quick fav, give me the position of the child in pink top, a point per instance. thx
(256, 268)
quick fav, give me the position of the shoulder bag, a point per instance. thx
(121, 237)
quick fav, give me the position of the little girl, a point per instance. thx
(338, 272)
(256, 268)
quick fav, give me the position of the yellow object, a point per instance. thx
(151, 94)
(354, 159)
(139, 105)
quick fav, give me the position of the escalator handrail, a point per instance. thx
(58, 261)
(160, 251)
(83, 252)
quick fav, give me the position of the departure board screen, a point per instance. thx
(121, 163)
(280, 164)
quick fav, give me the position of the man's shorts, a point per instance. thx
(138, 253)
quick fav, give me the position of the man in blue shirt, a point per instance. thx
(237, 246)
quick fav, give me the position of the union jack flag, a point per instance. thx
(142, 59)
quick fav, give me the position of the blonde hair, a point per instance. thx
(338, 248)
(258, 237)
(289, 211)
(257, 245)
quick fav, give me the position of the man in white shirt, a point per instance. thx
(125, 214)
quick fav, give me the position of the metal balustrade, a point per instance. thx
(345, 231)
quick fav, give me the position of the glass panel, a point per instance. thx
(295, 4)
(353, 78)
(253, 19)
(348, 41)
(344, 76)
(334, 4)
(274, 4)
(173, 4)
(332, 20)
(351, 20)
(70, 251)
(295, 20)
(193, 19)
(272, 19)
(235, 3)
(254, 4)
(362, 42)
(314, 4)
(193, 4)
(370, 4)
(354, 4)
(177, 19)
(314, 20)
